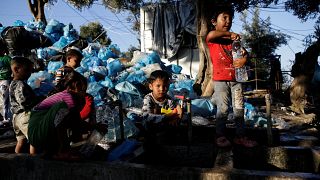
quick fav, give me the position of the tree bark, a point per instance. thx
(37, 9)
(203, 80)
(303, 72)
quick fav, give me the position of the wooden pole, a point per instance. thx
(269, 122)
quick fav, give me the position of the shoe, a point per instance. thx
(223, 142)
(6, 121)
(245, 141)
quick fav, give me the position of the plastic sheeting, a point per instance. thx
(170, 20)
(316, 75)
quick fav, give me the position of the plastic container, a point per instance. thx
(240, 73)
(88, 148)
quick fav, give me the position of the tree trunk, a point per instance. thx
(303, 71)
(203, 80)
(37, 9)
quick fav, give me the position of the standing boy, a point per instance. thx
(72, 61)
(5, 77)
(226, 88)
(22, 99)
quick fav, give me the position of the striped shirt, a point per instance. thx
(63, 96)
(152, 108)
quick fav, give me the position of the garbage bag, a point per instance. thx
(53, 66)
(176, 69)
(203, 107)
(114, 66)
(127, 87)
(123, 150)
(137, 77)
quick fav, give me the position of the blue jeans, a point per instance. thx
(226, 92)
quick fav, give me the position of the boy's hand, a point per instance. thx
(239, 62)
(179, 111)
(173, 119)
(234, 36)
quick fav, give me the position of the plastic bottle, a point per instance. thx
(240, 73)
(88, 148)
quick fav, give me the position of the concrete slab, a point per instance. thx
(24, 167)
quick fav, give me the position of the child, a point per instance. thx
(22, 99)
(226, 88)
(88, 110)
(153, 102)
(72, 61)
(5, 78)
(51, 118)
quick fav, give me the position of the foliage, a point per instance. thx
(260, 37)
(80, 4)
(129, 53)
(263, 41)
(94, 31)
(304, 9)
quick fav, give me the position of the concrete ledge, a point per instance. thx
(25, 167)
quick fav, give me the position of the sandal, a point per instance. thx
(245, 141)
(222, 142)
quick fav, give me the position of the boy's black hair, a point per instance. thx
(74, 52)
(71, 80)
(222, 9)
(158, 74)
(21, 61)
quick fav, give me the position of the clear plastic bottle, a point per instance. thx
(88, 148)
(240, 73)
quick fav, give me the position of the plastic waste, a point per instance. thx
(137, 77)
(114, 66)
(199, 120)
(53, 66)
(240, 73)
(202, 107)
(127, 87)
(110, 115)
(18, 23)
(88, 148)
(174, 68)
(123, 150)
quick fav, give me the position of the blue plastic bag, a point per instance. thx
(127, 87)
(114, 66)
(136, 77)
(203, 107)
(123, 150)
(53, 66)
(174, 68)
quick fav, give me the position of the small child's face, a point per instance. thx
(73, 62)
(223, 22)
(159, 89)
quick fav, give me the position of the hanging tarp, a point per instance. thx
(170, 21)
